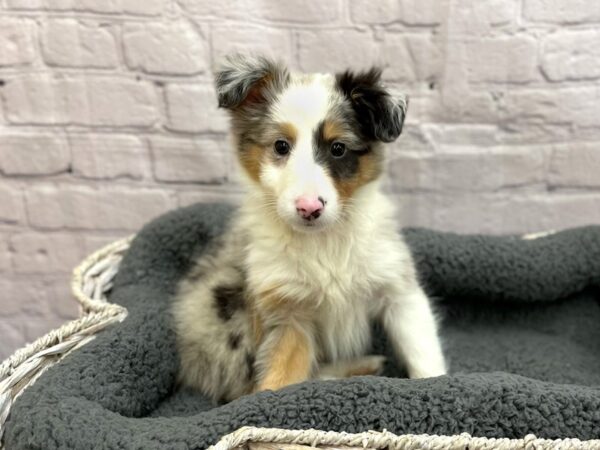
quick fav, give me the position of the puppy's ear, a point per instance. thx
(380, 114)
(243, 81)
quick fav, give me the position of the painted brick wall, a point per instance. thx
(108, 118)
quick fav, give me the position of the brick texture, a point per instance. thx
(81, 207)
(134, 7)
(189, 160)
(477, 18)
(165, 48)
(50, 252)
(11, 205)
(193, 108)
(330, 50)
(413, 12)
(575, 165)
(109, 156)
(422, 53)
(5, 257)
(572, 56)
(24, 154)
(82, 100)
(508, 59)
(562, 11)
(72, 43)
(494, 169)
(16, 42)
(299, 11)
(108, 118)
(276, 42)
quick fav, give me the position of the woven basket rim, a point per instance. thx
(386, 440)
(25, 365)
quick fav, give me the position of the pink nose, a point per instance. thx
(310, 207)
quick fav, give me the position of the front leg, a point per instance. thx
(356, 367)
(411, 328)
(286, 357)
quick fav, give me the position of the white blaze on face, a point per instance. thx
(305, 102)
(304, 105)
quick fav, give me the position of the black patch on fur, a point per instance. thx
(228, 300)
(234, 340)
(250, 359)
(380, 116)
(339, 168)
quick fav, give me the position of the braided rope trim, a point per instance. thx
(252, 438)
(92, 279)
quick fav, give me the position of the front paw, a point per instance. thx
(427, 372)
(364, 365)
(368, 365)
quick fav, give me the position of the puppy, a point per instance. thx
(313, 255)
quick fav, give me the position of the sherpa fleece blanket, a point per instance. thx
(521, 329)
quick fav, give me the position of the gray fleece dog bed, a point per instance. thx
(520, 327)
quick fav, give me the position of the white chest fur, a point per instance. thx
(341, 276)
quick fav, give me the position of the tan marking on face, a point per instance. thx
(369, 168)
(332, 130)
(253, 156)
(251, 160)
(289, 131)
(289, 360)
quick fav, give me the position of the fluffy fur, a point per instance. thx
(286, 295)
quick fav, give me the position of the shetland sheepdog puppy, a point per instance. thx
(313, 255)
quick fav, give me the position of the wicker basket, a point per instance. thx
(92, 279)
(250, 438)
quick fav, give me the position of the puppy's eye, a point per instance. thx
(338, 149)
(282, 147)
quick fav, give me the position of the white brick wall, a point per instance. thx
(108, 118)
